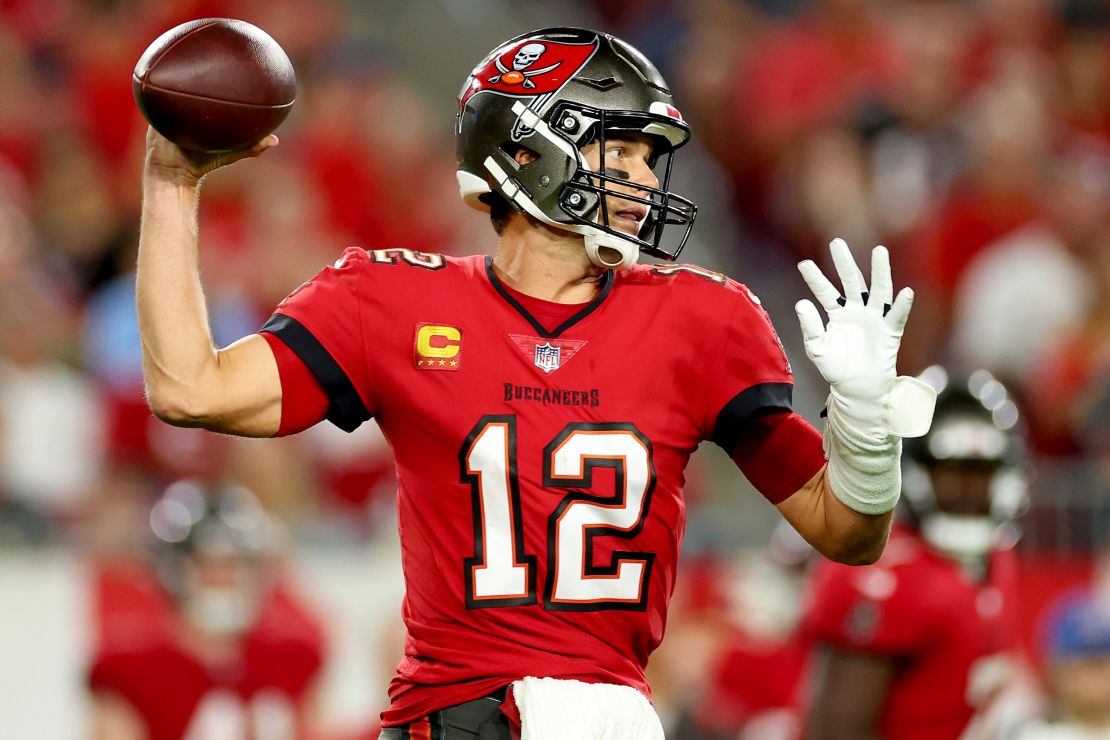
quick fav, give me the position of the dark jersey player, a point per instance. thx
(542, 403)
(923, 644)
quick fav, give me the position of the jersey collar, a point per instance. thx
(606, 287)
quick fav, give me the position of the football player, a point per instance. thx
(924, 641)
(227, 653)
(542, 403)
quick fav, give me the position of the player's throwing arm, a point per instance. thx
(235, 390)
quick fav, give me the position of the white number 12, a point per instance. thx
(502, 574)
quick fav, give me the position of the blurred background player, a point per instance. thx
(206, 642)
(922, 643)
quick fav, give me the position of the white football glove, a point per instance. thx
(869, 408)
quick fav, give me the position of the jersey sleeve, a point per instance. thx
(303, 401)
(779, 453)
(747, 398)
(750, 375)
(866, 609)
(322, 323)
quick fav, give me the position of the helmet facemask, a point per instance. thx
(585, 198)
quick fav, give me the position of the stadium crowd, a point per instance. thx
(971, 138)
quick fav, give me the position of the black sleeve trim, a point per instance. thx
(345, 407)
(751, 402)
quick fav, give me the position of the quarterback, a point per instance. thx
(542, 403)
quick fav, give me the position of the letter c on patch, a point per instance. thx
(440, 342)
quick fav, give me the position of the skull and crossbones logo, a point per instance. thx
(525, 57)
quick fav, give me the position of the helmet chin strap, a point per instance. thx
(611, 252)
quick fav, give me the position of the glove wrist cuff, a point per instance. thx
(864, 466)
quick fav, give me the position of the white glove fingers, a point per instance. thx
(812, 326)
(850, 275)
(882, 285)
(824, 291)
(900, 310)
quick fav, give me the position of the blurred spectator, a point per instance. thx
(76, 218)
(49, 413)
(1007, 134)
(924, 643)
(801, 75)
(916, 149)
(1042, 277)
(1077, 654)
(235, 654)
(652, 26)
(1084, 68)
(1071, 382)
(18, 123)
(1007, 29)
(708, 58)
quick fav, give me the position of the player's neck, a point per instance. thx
(545, 263)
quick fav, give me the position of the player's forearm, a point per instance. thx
(832, 528)
(178, 352)
(860, 538)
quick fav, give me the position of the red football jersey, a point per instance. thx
(258, 693)
(540, 467)
(953, 636)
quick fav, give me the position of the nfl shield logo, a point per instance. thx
(547, 357)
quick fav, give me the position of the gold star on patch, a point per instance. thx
(454, 363)
(443, 362)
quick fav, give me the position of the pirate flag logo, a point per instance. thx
(528, 69)
(520, 74)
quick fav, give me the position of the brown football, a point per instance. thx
(214, 84)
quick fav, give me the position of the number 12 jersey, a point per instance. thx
(539, 449)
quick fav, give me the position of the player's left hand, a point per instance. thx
(857, 351)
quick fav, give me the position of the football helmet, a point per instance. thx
(965, 481)
(209, 541)
(554, 91)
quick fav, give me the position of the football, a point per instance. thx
(214, 85)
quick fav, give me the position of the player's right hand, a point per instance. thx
(166, 160)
